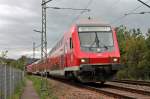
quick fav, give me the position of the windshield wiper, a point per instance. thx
(97, 41)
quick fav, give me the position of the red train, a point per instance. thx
(89, 52)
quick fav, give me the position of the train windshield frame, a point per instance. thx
(96, 39)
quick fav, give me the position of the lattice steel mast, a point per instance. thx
(43, 34)
(44, 44)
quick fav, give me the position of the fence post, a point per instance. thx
(1, 82)
(5, 84)
(10, 81)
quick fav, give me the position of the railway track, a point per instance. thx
(111, 90)
(128, 91)
(118, 93)
(133, 82)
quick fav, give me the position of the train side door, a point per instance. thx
(71, 52)
(68, 52)
(65, 59)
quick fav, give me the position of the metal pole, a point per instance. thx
(42, 33)
(10, 81)
(5, 97)
(33, 50)
(1, 79)
(44, 43)
(44, 40)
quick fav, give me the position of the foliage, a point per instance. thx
(135, 53)
(19, 90)
(3, 55)
(19, 63)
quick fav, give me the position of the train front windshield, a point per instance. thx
(96, 39)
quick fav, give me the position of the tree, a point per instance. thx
(20, 63)
(3, 55)
(135, 54)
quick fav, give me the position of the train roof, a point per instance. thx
(90, 21)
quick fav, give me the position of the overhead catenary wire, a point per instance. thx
(115, 3)
(138, 7)
(83, 9)
(137, 13)
(124, 16)
(69, 8)
(86, 7)
(144, 3)
(118, 19)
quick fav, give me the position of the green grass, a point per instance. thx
(19, 90)
(44, 94)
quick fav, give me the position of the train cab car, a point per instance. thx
(28, 69)
(89, 52)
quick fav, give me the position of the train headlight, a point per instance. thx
(115, 60)
(84, 60)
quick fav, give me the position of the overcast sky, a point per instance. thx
(18, 18)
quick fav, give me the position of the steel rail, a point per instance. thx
(106, 89)
(95, 88)
(133, 90)
(133, 82)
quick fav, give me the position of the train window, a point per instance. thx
(71, 44)
(96, 41)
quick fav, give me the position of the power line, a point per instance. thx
(122, 17)
(38, 46)
(118, 19)
(144, 3)
(33, 50)
(68, 8)
(59, 8)
(138, 7)
(112, 7)
(137, 13)
(114, 4)
(86, 7)
(45, 2)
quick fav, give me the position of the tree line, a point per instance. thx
(19, 63)
(135, 53)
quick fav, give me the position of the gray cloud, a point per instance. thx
(18, 18)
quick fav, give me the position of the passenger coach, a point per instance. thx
(89, 52)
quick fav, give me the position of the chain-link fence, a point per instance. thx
(10, 78)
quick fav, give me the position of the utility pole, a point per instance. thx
(44, 45)
(44, 40)
(144, 3)
(44, 32)
(33, 50)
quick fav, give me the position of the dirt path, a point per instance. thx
(29, 91)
